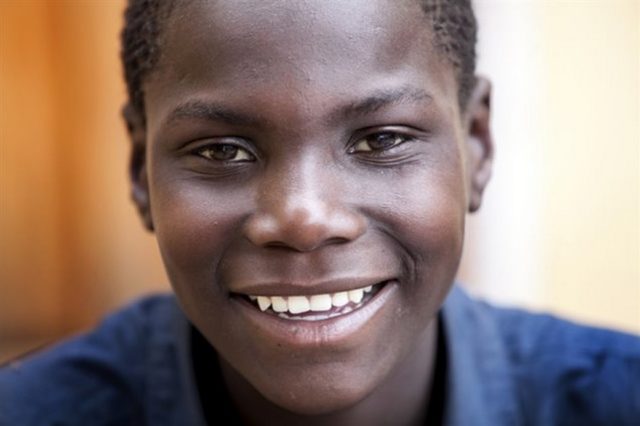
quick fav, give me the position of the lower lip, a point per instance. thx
(325, 332)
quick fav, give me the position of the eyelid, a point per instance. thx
(249, 156)
(405, 133)
(201, 143)
(196, 147)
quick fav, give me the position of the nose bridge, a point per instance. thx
(301, 205)
(299, 191)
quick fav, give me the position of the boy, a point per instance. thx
(307, 167)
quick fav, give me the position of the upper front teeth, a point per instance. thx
(318, 302)
(298, 304)
(315, 303)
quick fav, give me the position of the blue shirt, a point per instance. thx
(505, 367)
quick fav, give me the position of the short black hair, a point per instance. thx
(453, 23)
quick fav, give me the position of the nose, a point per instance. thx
(303, 209)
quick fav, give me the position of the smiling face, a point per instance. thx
(297, 152)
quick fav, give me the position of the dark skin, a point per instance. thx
(301, 148)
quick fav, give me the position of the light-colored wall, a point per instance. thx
(559, 228)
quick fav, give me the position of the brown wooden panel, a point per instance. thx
(71, 247)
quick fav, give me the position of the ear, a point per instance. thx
(479, 141)
(138, 163)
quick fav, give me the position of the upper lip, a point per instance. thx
(307, 288)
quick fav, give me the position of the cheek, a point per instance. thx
(194, 224)
(435, 224)
(435, 240)
(428, 223)
(436, 220)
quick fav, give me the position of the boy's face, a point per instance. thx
(301, 149)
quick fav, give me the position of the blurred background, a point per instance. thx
(559, 229)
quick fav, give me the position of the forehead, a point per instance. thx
(305, 47)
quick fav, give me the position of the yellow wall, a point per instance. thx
(560, 227)
(591, 142)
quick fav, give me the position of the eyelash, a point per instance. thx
(396, 139)
(234, 153)
(209, 152)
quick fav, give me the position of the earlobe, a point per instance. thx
(137, 164)
(480, 147)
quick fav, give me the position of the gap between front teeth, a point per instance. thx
(316, 303)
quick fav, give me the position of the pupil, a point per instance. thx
(384, 140)
(225, 152)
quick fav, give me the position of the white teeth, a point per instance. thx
(320, 302)
(279, 304)
(264, 302)
(340, 299)
(316, 303)
(298, 304)
(356, 295)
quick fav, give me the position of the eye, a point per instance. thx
(381, 141)
(225, 152)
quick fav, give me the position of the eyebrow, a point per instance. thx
(381, 99)
(212, 111)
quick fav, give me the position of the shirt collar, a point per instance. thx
(480, 389)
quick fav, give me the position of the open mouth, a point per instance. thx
(315, 307)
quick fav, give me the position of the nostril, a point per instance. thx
(303, 228)
(305, 246)
(336, 240)
(276, 244)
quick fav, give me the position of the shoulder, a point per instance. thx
(97, 375)
(570, 371)
(566, 373)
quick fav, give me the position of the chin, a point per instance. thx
(315, 399)
(307, 388)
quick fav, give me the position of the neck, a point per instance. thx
(401, 399)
